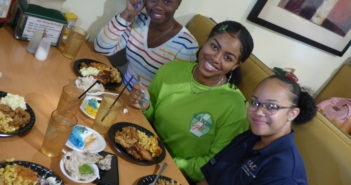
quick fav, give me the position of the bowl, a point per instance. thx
(93, 166)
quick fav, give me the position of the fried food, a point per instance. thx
(138, 144)
(106, 75)
(127, 137)
(10, 120)
(19, 175)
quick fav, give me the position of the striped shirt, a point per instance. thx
(143, 61)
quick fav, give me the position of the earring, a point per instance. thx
(289, 119)
(230, 76)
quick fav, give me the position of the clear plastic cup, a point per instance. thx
(57, 133)
(102, 125)
(73, 43)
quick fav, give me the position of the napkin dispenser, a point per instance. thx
(30, 18)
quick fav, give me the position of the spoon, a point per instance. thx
(164, 166)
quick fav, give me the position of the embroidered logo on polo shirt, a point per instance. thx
(250, 168)
(201, 124)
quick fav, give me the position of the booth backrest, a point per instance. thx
(338, 86)
(200, 26)
(325, 149)
(252, 72)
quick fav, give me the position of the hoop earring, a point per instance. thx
(230, 76)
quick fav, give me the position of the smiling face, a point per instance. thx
(161, 11)
(276, 123)
(218, 56)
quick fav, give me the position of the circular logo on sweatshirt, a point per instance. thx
(201, 123)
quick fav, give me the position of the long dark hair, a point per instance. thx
(239, 31)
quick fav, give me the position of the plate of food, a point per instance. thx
(163, 180)
(85, 139)
(91, 103)
(16, 116)
(136, 143)
(30, 173)
(90, 106)
(109, 76)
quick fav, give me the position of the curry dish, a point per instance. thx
(12, 120)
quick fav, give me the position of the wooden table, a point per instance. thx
(40, 83)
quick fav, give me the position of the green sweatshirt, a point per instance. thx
(194, 121)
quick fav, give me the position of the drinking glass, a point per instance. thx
(73, 43)
(69, 103)
(100, 125)
(57, 133)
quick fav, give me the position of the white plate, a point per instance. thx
(84, 104)
(89, 96)
(94, 166)
(97, 146)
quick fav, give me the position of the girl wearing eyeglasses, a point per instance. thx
(266, 154)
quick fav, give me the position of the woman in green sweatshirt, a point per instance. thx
(196, 107)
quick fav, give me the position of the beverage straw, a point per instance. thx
(114, 102)
(87, 90)
(68, 108)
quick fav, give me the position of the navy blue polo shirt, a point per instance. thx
(279, 163)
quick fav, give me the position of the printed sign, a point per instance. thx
(53, 29)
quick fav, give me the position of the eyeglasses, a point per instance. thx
(267, 108)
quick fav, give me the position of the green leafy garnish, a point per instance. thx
(86, 169)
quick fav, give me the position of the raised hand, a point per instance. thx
(132, 9)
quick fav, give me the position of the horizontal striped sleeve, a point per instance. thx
(112, 37)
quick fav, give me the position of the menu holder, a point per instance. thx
(30, 18)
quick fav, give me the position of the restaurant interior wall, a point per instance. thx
(313, 66)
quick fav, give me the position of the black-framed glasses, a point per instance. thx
(269, 108)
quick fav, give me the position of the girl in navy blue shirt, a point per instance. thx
(266, 154)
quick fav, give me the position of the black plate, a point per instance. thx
(150, 178)
(77, 64)
(41, 170)
(24, 129)
(118, 126)
(109, 177)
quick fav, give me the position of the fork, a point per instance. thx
(164, 166)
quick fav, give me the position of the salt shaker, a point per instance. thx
(34, 42)
(43, 49)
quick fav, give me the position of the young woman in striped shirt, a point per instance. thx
(151, 39)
